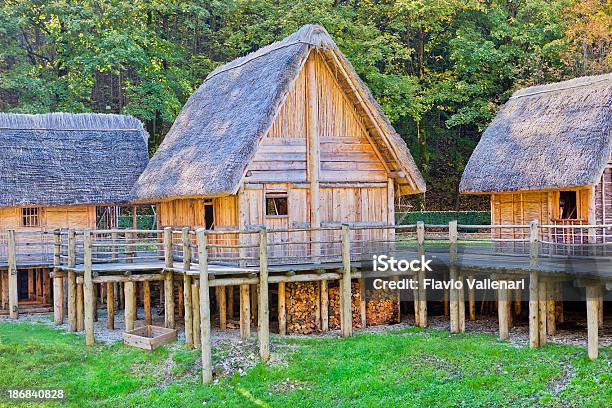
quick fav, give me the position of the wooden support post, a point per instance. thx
(542, 306)
(72, 317)
(222, 301)
(472, 300)
(130, 313)
(245, 312)
(30, 275)
(5, 289)
(593, 294)
(534, 287)
(502, 313)
(282, 310)
(253, 297)
(204, 308)
(420, 298)
(313, 158)
(551, 325)
(58, 296)
(263, 311)
(600, 315)
(169, 281)
(80, 308)
(195, 304)
(324, 306)
(110, 305)
(457, 322)
(517, 302)
(2, 304)
(187, 296)
(230, 302)
(12, 280)
(146, 299)
(346, 313)
(362, 302)
(135, 300)
(180, 297)
(88, 288)
(446, 298)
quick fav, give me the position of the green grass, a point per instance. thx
(408, 367)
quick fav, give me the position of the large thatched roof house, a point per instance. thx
(547, 155)
(288, 135)
(56, 168)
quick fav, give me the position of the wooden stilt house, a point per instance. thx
(57, 171)
(286, 137)
(547, 156)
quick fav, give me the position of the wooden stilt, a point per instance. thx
(221, 298)
(534, 315)
(263, 327)
(542, 305)
(180, 308)
(422, 292)
(110, 305)
(551, 326)
(324, 306)
(253, 298)
(593, 296)
(600, 314)
(362, 302)
(195, 304)
(135, 300)
(454, 292)
(130, 313)
(204, 308)
(12, 279)
(146, 300)
(446, 299)
(30, 274)
(282, 311)
(188, 310)
(80, 314)
(121, 295)
(88, 289)
(230, 302)
(517, 302)
(5, 289)
(96, 298)
(169, 280)
(346, 314)
(502, 313)
(245, 312)
(472, 300)
(72, 317)
(559, 305)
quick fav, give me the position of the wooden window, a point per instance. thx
(568, 205)
(30, 217)
(276, 205)
(209, 214)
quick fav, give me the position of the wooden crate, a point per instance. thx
(149, 337)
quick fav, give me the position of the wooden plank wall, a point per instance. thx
(83, 216)
(603, 201)
(190, 212)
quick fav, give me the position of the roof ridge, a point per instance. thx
(606, 77)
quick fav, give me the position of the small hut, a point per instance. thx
(288, 136)
(547, 156)
(62, 170)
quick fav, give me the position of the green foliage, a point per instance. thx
(440, 69)
(443, 217)
(143, 222)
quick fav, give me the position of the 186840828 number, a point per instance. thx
(29, 394)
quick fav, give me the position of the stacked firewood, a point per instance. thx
(301, 306)
(334, 306)
(381, 307)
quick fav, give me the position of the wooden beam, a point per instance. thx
(346, 313)
(421, 292)
(263, 333)
(169, 280)
(110, 305)
(188, 310)
(282, 310)
(12, 280)
(502, 313)
(314, 152)
(80, 314)
(324, 306)
(130, 313)
(146, 300)
(245, 312)
(204, 308)
(72, 317)
(362, 302)
(472, 300)
(593, 294)
(88, 289)
(195, 303)
(222, 302)
(534, 315)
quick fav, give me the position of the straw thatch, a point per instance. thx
(216, 135)
(545, 137)
(66, 159)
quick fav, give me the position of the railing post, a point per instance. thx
(420, 294)
(58, 288)
(534, 287)
(457, 313)
(88, 289)
(114, 244)
(204, 307)
(169, 279)
(72, 285)
(263, 314)
(12, 276)
(187, 300)
(346, 313)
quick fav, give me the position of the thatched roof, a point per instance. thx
(545, 137)
(65, 159)
(209, 146)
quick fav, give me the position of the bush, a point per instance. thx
(443, 217)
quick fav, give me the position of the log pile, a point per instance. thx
(334, 305)
(382, 307)
(301, 306)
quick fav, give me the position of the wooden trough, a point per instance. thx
(149, 337)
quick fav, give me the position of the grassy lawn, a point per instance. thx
(407, 367)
